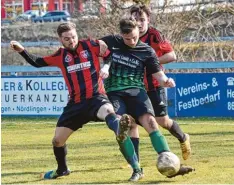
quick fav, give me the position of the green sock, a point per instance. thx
(127, 149)
(159, 142)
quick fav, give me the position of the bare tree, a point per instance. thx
(197, 33)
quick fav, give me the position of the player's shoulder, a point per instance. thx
(83, 40)
(153, 30)
(143, 44)
(144, 47)
(115, 38)
(112, 39)
(91, 41)
(157, 35)
(58, 52)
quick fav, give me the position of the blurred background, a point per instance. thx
(200, 30)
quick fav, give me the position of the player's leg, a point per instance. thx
(141, 109)
(159, 101)
(173, 127)
(106, 112)
(60, 152)
(135, 138)
(125, 124)
(135, 107)
(158, 141)
(71, 119)
(139, 106)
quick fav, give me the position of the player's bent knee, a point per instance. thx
(164, 122)
(104, 110)
(149, 122)
(57, 142)
(146, 118)
(152, 122)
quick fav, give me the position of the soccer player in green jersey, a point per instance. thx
(156, 93)
(129, 59)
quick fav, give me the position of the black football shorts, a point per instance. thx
(75, 115)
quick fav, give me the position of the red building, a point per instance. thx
(11, 8)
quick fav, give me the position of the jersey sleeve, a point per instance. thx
(54, 59)
(95, 46)
(162, 48)
(110, 41)
(159, 43)
(33, 60)
(152, 64)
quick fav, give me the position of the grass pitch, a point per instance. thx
(94, 157)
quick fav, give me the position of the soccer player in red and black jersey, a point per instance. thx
(156, 93)
(78, 61)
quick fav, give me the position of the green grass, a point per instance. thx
(94, 158)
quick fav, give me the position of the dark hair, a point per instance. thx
(127, 24)
(140, 9)
(64, 27)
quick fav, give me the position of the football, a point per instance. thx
(168, 164)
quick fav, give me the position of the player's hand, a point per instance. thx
(16, 46)
(104, 72)
(169, 83)
(103, 48)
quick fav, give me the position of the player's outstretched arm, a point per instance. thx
(164, 80)
(30, 58)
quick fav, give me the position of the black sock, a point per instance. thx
(60, 155)
(135, 142)
(177, 132)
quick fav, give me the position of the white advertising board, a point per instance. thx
(39, 95)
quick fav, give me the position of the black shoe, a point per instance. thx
(183, 170)
(136, 175)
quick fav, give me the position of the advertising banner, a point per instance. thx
(195, 95)
(38, 95)
(207, 94)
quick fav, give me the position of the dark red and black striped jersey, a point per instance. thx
(157, 41)
(80, 69)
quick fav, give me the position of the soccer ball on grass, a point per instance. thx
(168, 164)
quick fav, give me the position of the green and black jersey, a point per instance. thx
(128, 64)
